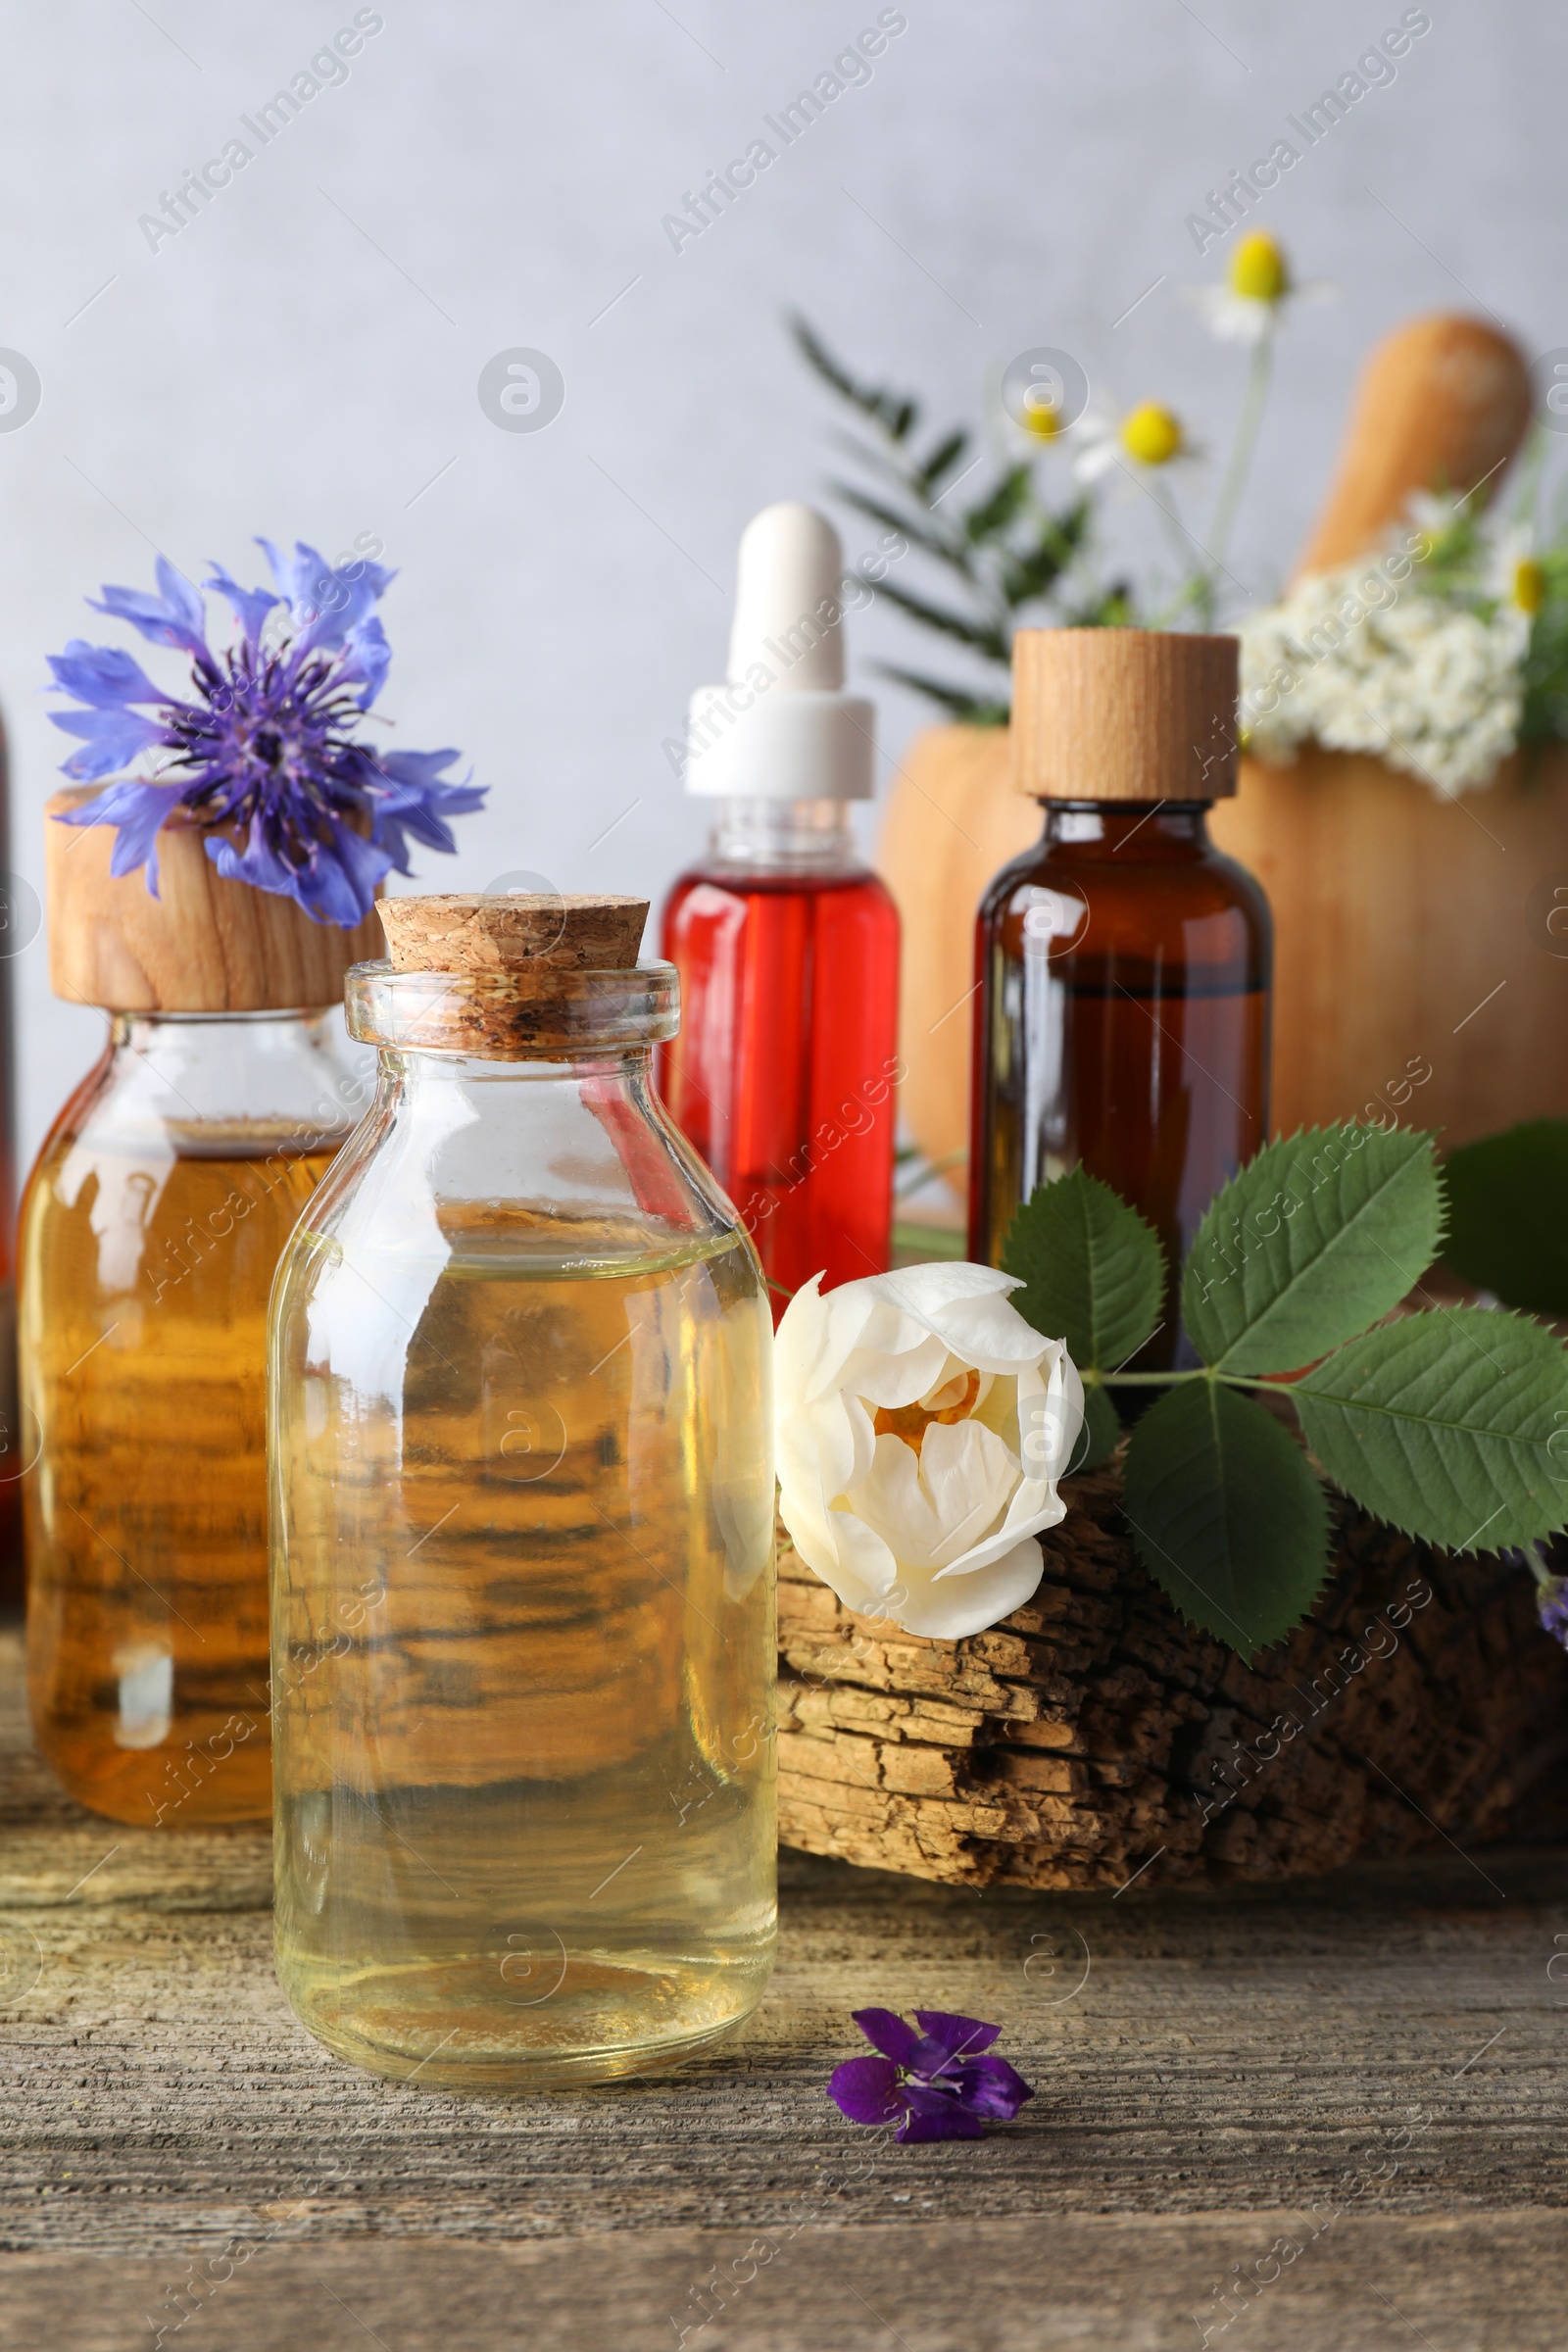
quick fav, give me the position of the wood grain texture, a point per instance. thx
(1411, 936)
(1461, 2282)
(1384, 2047)
(202, 945)
(1123, 714)
(952, 820)
(1093, 1738)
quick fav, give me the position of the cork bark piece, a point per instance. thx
(202, 945)
(1093, 1736)
(542, 932)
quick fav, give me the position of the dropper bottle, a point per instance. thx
(785, 1070)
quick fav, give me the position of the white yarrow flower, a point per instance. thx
(921, 1429)
(1351, 662)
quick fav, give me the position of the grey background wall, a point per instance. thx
(303, 358)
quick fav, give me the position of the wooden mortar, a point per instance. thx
(1411, 977)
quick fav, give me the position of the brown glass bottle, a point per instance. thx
(1122, 967)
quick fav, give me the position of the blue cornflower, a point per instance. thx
(938, 2080)
(265, 749)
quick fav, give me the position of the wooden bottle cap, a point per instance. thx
(527, 933)
(202, 944)
(1124, 715)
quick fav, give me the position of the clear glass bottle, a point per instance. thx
(1122, 967)
(151, 1229)
(784, 1076)
(523, 1526)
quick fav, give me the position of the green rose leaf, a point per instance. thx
(1093, 1271)
(1452, 1425)
(1101, 1434)
(1506, 1230)
(1319, 1235)
(1227, 1514)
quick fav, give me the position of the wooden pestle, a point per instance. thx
(1442, 403)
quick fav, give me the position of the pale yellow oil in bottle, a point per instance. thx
(146, 1272)
(523, 1651)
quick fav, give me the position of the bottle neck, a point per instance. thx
(484, 1079)
(230, 1069)
(784, 837)
(191, 1034)
(1160, 830)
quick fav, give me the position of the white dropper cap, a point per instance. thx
(781, 727)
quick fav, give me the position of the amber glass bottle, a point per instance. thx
(1123, 965)
(151, 1229)
(151, 1232)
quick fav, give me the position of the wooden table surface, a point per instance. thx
(1347, 2093)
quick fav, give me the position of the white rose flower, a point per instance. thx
(921, 1429)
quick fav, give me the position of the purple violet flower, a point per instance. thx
(1551, 1607)
(935, 2080)
(266, 747)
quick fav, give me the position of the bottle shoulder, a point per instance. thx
(712, 917)
(200, 1099)
(548, 1180)
(66, 1128)
(740, 883)
(1155, 890)
(1195, 924)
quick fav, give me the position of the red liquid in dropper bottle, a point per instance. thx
(785, 1070)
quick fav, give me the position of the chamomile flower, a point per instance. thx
(1146, 438)
(1258, 286)
(1515, 575)
(1041, 416)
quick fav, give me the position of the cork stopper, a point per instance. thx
(526, 934)
(1124, 715)
(530, 978)
(202, 944)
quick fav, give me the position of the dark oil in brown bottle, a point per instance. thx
(1121, 1025)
